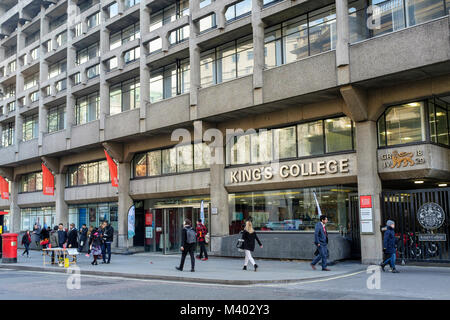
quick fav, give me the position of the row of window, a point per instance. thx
(124, 96)
(178, 159)
(415, 122)
(88, 173)
(31, 182)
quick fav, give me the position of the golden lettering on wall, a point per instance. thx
(403, 159)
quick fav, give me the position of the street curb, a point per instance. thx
(176, 278)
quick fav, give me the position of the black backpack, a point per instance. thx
(191, 236)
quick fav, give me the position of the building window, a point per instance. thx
(61, 39)
(78, 29)
(94, 214)
(30, 127)
(131, 3)
(43, 216)
(113, 10)
(31, 182)
(88, 173)
(124, 96)
(394, 15)
(307, 139)
(11, 106)
(61, 85)
(402, 124)
(123, 36)
(301, 37)
(34, 54)
(31, 81)
(207, 23)
(291, 209)
(88, 53)
(56, 119)
(86, 4)
(238, 10)
(33, 37)
(155, 45)
(169, 81)
(57, 68)
(87, 108)
(57, 22)
(169, 14)
(112, 64)
(76, 78)
(12, 66)
(439, 119)
(179, 35)
(8, 134)
(177, 159)
(34, 96)
(227, 62)
(93, 71)
(93, 20)
(132, 55)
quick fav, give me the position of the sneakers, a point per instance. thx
(326, 269)
(204, 259)
(313, 266)
(256, 267)
(198, 257)
(178, 268)
(382, 267)
(192, 270)
(244, 268)
(87, 255)
(395, 271)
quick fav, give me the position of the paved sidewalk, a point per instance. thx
(216, 270)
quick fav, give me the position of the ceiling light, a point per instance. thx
(442, 184)
(418, 181)
(414, 104)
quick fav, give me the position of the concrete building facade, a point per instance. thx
(340, 100)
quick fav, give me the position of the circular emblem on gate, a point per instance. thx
(431, 215)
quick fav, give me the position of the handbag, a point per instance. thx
(207, 238)
(240, 245)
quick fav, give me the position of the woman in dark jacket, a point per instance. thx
(389, 246)
(249, 236)
(26, 240)
(95, 245)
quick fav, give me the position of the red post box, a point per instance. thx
(9, 247)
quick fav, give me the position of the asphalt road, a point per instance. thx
(411, 283)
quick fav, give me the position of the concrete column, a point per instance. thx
(194, 63)
(14, 209)
(71, 57)
(369, 183)
(258, 50)
(144, 19)
(104, 103)
(70, 115)
(62, 209)
(343, 40)
(125, 202)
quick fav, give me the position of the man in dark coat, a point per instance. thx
(321, 241)
(73, 237)
(108, 238)
(83, 237)
(188, 243)
(389, 246)
(62, 236)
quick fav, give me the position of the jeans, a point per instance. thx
(189, 248)
(248, 257)
(391, 260)
(106, 248)
(27, 248)
(323, 253)
(203, 249)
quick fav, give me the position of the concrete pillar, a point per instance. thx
(194, 63)
(125, 202)
(71, 57)
(70, 115)
(258, 51)
(343, 41)
(104, 103)
(369, 184)
(14, 209)
(144, 69)
(61, 207)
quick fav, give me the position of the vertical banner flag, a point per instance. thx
(202, 212)
(131, 219)
(319, 212)
(4, 188)
(48, 181)
(112, 170)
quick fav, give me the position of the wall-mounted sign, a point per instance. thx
(365, 211)
(148, 219)
(365, 201)
(397, 159)
(290, 171)
(367, 226)
(431, 216)
(148, 232)
(433, 237)
(214, 210)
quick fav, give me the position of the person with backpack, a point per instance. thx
(202, 231)
(249, 236)
(26, 241)
(95, 245)
(389, 246)
(188, 241)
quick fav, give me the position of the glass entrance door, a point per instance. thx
(173, 225)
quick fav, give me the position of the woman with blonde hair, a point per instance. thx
(249, 236)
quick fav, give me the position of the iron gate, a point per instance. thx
(353, 223)
(416, 241)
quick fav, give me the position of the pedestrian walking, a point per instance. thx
(249, 236)
(36, 234)
(26, 240)
(321, 242)
(96, 245)
(202, 231)
(83, 237)
(390, 246)
(108, 238)
(89, 235)
(188, 242)
(72, 238)
(45, 235)
(54, 242)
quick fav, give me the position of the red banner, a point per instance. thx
(4, 188)
(112, 170)
(48, 181)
